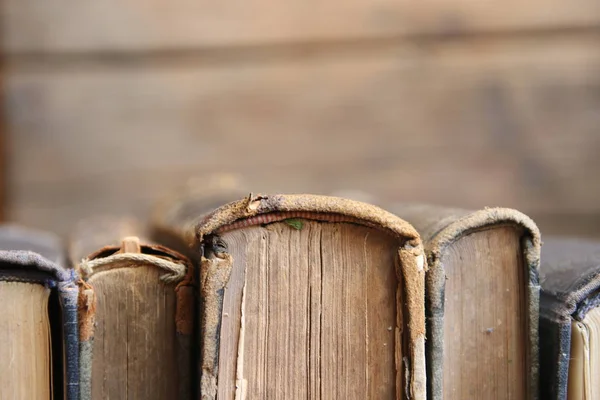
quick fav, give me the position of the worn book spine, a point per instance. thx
(31, 267)
(555, 350)
(570, 280)
(113, 254)
(177, 269)
(68, 295)
(440, 227)
(216, 266)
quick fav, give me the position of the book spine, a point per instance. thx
(86, 314)
(531, 254)
(555, 351)
(68, 293)
(435, 283)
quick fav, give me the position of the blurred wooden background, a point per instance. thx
(110, 105)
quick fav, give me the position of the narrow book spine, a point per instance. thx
(69, 292)
(555, 351)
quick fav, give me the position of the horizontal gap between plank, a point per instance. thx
(275, 52)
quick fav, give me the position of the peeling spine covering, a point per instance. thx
(255, 205)
(448, 231)
(175, 270)
(412, 267)
(214, 275)
(178, 270)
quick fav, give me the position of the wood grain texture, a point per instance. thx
(120, 26)
(485, 332)
(309, 313)
(463, 123)
(25, 336)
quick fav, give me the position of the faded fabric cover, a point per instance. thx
(38, 257)
(570, 279)
(184, 314)
(214, 277)
(439, 228)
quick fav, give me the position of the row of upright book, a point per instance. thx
(224, 295)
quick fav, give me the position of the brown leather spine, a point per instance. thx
(411, 266)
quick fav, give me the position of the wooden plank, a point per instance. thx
(497, 123)
(3, 137)
(574, 224)
(134, 25)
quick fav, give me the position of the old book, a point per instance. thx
(570, 319)
(38, 317)
(307, 297)
(482, 301)
(136, 315)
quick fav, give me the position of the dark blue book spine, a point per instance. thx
(68, 298)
